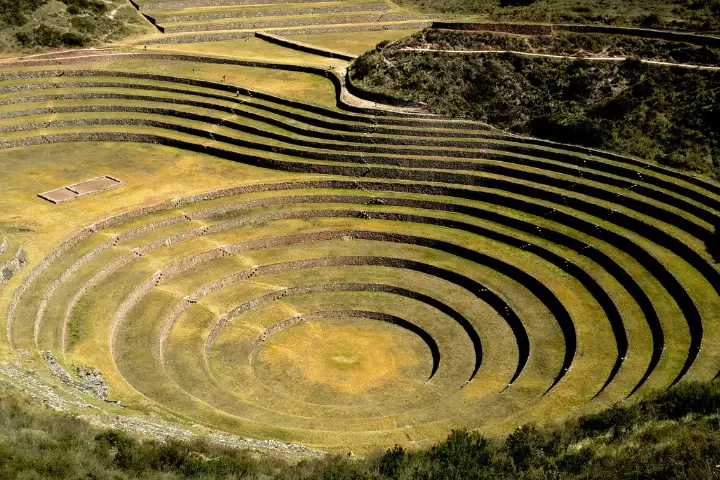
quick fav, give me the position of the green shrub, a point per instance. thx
(391, 463)
(39, 443)
(530, 447)
(462, 455)
(618, 419)
(47, 36)
(85, 6)
(687, 398)
(516, 3)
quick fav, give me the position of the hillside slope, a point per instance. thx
(652, 111)
(31, 25)
(690, 15)
(673, 435)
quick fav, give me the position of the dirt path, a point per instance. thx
(564, 57)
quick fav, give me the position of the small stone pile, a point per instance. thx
(8, 269)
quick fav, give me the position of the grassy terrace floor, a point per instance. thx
(280, 265)
(202, 21)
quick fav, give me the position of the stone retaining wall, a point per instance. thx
(97, 251)
(337, 81)
(67, 273)
(213, 37)
(377, 126)
(39, 268)
(411, 25)
(127, 305)
(197, 260)
(211, 195)
(296, 22)
(303, 47)
(695, 39)
(566, 158)
(671, 242)
(658, 213)
(515, 28)
(181, 4)
(530, 141)
(688, 307)
(334, 77)
(98, 277)
(154, 22)
(659, 236)
(197, 38)
(539, 290)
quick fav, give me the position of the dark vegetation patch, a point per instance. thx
(41, 24)
(47, 36)
(75, 7)
(561, 43)
(687, 15)
(674, 434)
(670, 115)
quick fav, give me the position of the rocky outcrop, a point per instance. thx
(90, 379)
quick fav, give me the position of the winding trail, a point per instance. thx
(562, 57)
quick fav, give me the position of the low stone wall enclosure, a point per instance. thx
(77, 190)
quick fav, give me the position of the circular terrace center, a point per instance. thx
(343, 361)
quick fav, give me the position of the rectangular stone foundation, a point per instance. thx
(77, 190)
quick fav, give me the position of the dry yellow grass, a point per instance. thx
(356, 44)
(250, 49)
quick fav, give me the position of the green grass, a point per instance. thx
(168, 257)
